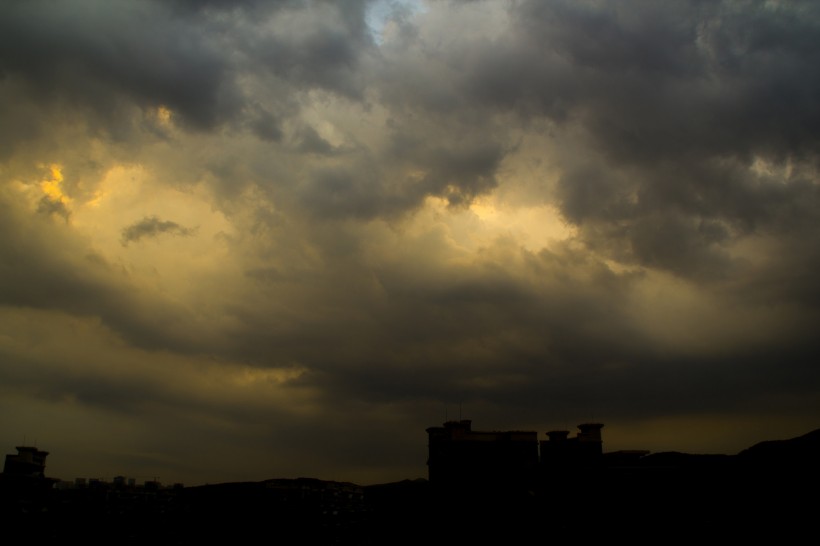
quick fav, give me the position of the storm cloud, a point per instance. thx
(308, 229)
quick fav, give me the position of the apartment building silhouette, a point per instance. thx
(461, 457)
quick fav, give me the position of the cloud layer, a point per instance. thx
(305, 231)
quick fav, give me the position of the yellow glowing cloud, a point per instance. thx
(534, 227)
(164, 115)
(52, 186)
(96, 199)
(483, 209)
(248, 376)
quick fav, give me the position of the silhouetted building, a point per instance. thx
(29, 461)
(24, 489)
(584, 450)
(462, 457)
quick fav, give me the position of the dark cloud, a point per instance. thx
(103, 56)
(324, 57)
(717, 78)
(455, 165)
(93, 53)
(153, 227)
(675, 107)
(414, 168)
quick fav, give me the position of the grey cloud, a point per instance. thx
(454, 324)
(590, 191)
(456, 171)
(322, 59)
(687, 246)
(559, 342)
(463, 171)
(267, 127)
(153, 227)
(716, 77)
(656, 79)
(309, 141)
(313, 45)
(453, 164)
(336, 193)
(104, 55)
(91, 52)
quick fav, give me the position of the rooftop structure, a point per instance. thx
(583, 450)
(29, 461)
(461, 456)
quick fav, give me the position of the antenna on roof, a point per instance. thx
(459, 410)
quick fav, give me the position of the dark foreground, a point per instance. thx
(654, 506)
(769, 493)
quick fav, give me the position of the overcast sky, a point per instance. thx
(242, 240)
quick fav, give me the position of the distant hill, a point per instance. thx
(803, 450)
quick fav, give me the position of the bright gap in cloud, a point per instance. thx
(486, 220)
(535, 227)
(381, 12)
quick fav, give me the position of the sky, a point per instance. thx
(243, 240)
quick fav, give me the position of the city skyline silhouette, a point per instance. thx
(481, 486)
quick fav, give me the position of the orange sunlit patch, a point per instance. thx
(52, 186)
(484, 209)
(164, 114)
